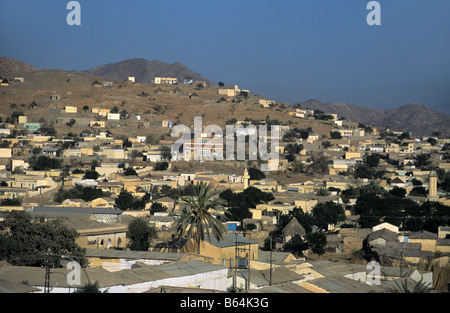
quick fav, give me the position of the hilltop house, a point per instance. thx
(165, 80)
(266, 103)
(229, 90)
(70, 109)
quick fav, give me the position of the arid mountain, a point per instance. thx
(144, 71)
(418, 119)
(10, 66)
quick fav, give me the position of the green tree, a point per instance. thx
(326, 213)
(293, 148)
(198, 222)
(166, 153)
(269, 242)
(79, 192)
(240, 203)
(398, 192)
(125, 200)
(432, 141)
(422, 160)
(255, 174)
(141, 234)
(335, 135)
(91, 175)
(157, 207)
(363, 171)
(25, 241)
(45, 163)
(373, 160)
(317, 242)
(150, 140)
(296, 245)
(71, 122)
(161, 166)
(320, 164)
(130, 171)
(297, 167)
(36, 150)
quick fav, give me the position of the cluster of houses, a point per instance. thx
(237, 260)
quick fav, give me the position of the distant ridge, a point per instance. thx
(144, 71)
(418, 119)
(10, 66)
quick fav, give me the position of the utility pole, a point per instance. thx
(270, 279)
(47, 273)
(242, 250)
(235, 263)
(248, 262)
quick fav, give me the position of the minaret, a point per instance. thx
(432, 186)
(246, 178)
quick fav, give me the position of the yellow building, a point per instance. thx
(425, 238)
(306, 204)
(13, 193)
(344, 132)
(352, 155)
(165, 80)
(229, 90)
(266, 103)
(114, 154)
(23, 119)
(283, 208)
(70, 109)
(5, 153)
(100, 111)
(97, 235)
(222, 252)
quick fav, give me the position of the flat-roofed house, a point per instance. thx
(70, 109)
(13, 193)
(165, 80)
(229, 90)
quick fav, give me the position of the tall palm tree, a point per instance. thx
(198, 222)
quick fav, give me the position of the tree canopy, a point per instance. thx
(240, 203)
(141, 234)
(25, 241)
(325, 213)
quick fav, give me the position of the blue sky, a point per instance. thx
(287, 50)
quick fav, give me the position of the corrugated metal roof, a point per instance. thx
(81, 210)
(35, 276)
(134, 255)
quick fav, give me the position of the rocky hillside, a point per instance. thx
(419, 119)
(144, 71)
(10, 66)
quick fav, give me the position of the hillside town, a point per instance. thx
(347, 207)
